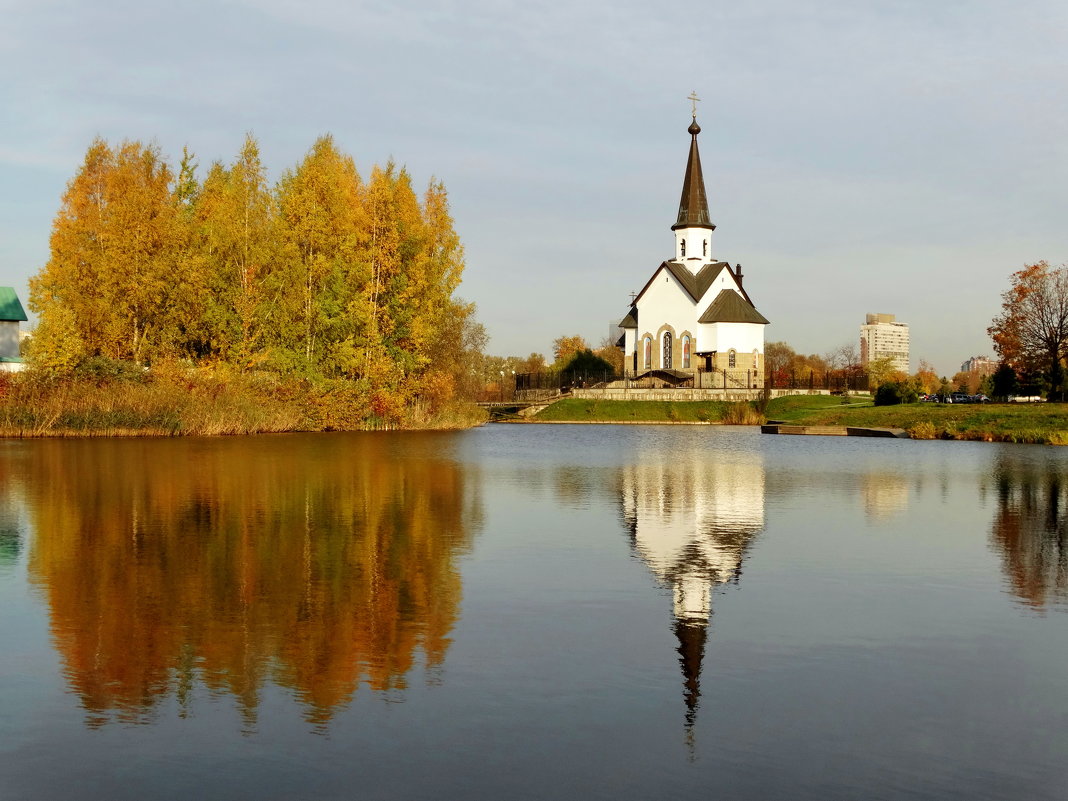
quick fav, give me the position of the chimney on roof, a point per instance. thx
(738, 274)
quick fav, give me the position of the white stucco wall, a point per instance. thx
(725, 280)
(695, 239)
(9, 339)
(741, 337)
(665, 302)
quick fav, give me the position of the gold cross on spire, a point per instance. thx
(694, 99)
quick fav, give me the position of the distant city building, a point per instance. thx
(11, 314)
(979, 364)
(881, 337)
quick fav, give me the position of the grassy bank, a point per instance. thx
(178, 402)
(575, 410)
(1042, 423)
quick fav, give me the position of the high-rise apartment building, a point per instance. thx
(979, 364)
(882, 336)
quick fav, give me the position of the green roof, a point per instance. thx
(730, 307)
(10, 307)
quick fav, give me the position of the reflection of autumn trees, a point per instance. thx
(319, 562)
(1030, 530)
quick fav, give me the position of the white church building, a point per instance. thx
(693, 319)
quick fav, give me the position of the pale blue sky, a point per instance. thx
(898, 157)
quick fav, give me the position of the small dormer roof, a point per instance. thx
(730, 307)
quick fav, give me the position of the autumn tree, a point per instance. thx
(777, 359)
(318, 296)
(566, 346)
(442, 336)
(784, 365)
(611, 354)
(322, 275)
(241, 227)
(845, 357)
(111, 254)
(926, 379)
(1031, 333)
(882, 370)
(534, 363)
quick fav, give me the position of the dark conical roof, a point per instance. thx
(693, 207)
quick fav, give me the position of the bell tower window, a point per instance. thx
(682, 245)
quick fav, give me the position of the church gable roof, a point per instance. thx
(730, 307)
(695, 285)
(630, 321)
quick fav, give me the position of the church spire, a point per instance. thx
(693, 207)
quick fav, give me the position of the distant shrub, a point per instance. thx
(742, 414)
(923, 430)
(101, 369)
(891, 393)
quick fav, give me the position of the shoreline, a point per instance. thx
(1039, 424)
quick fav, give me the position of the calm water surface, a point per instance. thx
(533, 612)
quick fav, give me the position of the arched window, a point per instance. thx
(666, 364)
(732, 360)
(686, 352)
(682, 244)
(648, 352)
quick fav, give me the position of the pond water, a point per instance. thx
(533, 612)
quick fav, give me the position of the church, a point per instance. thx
(693, 323)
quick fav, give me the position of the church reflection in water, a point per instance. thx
(317, 564)
(1030, 529)
(692, 518)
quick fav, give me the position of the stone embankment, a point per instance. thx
(735, 395)
(833, 431)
